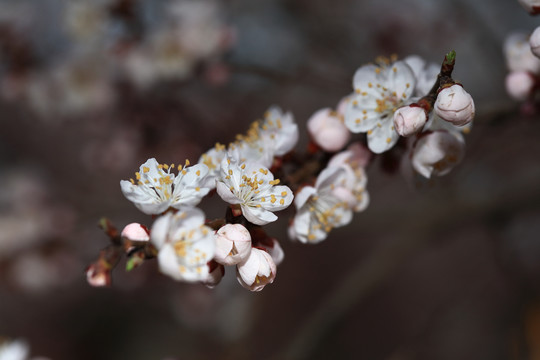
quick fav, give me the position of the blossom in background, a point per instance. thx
(319, 209)
(437, 152)
(257, 270)
(534, 42)
(379, 91)
(14, 350)
(424, 72)
(156, 188)
(350, 187)
(185, 245)
(253, 188)
(86, 21)
(518, 54)
(327, 130)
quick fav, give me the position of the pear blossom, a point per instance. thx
(408, 120)
(319, 210)
(518, 54)
(350, 187)
(254, 188)
(256, 271)
(519, 84)
(437, 152)
(14, 350)
(534, 41)
(455, 105)
(156, 188)
(327, 130)
(233, 244)
(379, 92)
(136, 232)
(185, 245)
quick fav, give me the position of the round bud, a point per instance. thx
(519, 84)
(455, 105)
(328, 130)
(233, 244)
(408, 120)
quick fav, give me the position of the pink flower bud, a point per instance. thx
(437, 153)
(233, 244)
(98, 276)
(534, 41)
(519, 84)
(328, 130)
(532, 6)
(455, 105)
(408, 120)
(256, 271)
(136, 232)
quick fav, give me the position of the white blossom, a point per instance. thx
(156, 188)
(379, 91)
(256, 271)
(319, 210)
(519, 84)
(518, 54)
(281, 128)
(424, 72)
(14, 350)
(212, 159)
(185, 245)
(253, 188)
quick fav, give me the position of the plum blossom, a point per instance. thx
(319, 209)
(379, 91)
(156, 188)
(253, 188)
(256, 271)
(185, 245)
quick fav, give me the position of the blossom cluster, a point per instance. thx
(522, 54)
(112, 43)
(409, 101)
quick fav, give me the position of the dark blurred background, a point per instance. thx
(441, 269)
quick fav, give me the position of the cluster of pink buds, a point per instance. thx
(393, 101)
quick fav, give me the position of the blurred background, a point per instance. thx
(445, 269)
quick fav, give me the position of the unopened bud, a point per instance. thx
(532, 6)
(455, 105)
(519, 84)
(215, 274)
(257, 271)
(534, 42)
(408, 120)
(328, 130)
(98, 275)
(233, 244)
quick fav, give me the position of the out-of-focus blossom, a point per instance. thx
(328, 130)
(274, 249)
(425, 73)
(253, 188)
(350, 187)
(455, 105)
(256, 271)
(156, 188)
(185, 245)
(86, 20)
(437, 152)
(519, 84)
(14, 350)
(379, 92)
(281, 128)
(215, 274)
(319, 210)
(408, 120)
(233, 244)
(534, 41)
(518, 54)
